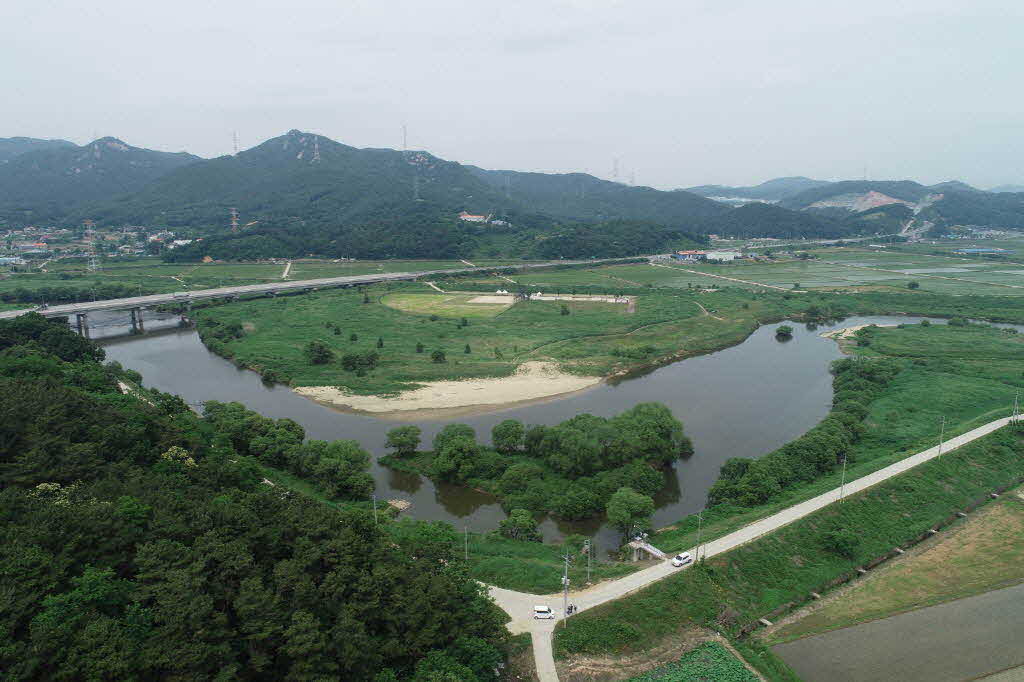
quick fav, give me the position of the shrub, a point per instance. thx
(438, 356)
(318, 352)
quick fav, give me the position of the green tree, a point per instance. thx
(404, 440)
(627, 509)
(784, 331)
(507, 436)
(467, 350)
(380, 342)
(520, 525)
(438, 357)
(419, 347)
(913, 285)
(353, 337)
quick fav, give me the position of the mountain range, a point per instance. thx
(302, 193)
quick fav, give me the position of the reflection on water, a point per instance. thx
(743, 401)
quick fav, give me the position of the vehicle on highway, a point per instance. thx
(681, 559)
(182, 294)
(543, 612)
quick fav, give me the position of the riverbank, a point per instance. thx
(532, 381)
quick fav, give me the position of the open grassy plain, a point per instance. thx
(589, 338)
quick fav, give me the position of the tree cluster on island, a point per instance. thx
(572, 469)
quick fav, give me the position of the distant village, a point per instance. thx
(19, 246)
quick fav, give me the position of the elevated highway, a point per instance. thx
(137, 303)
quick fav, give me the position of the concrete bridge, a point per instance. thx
(136, 304)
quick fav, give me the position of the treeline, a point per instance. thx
(139, 541)
(570, 470)
(751, 482)
(101, 291)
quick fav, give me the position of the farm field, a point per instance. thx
(709, 661)
(981, 553)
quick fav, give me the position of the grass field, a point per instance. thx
(532, 566)
(981, 553)
(710, 661)
(594, 338)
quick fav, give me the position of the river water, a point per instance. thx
(743, 401)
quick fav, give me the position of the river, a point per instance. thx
(742, 401)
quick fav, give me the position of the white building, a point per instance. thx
(724, 256)
(472, 218)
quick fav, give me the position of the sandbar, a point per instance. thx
(532, 381)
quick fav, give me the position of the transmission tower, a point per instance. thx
(234, 136)
(615, 169)
(405, 139)
(234, 219)
(316, 150)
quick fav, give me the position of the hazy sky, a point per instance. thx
(683, 92)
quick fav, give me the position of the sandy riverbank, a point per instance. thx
(848, 332)
(532, 381)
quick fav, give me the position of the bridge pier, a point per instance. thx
(82, 324)
(137, 326)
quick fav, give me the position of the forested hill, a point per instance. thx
(760, 219)
(306, 181)
(770, 190)
(139, 542)
(580, 196)
(11, 147)
(48, 183)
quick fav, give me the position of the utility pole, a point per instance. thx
(700, 527)
(942, 434)
(565, 588)
(588, 546)
(374, 509)
(467, 543)
(842, 484)
(1016, 401)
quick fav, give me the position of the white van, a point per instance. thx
(543, 612)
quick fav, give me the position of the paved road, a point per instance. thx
(519, 605)
(959, 640)
(270, 288)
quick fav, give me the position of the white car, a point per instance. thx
(681, 559)
(543, 612)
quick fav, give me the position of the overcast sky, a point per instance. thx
(683, 92)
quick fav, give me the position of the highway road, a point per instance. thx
(270, 288)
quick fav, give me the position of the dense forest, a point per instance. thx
(141, 541)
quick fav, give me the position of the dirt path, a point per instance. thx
(519, 605)
(731, 279)
(287, 269)
(472, 265)
(706, 312)
(434, 286)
